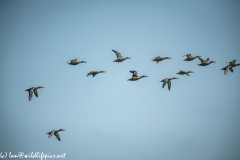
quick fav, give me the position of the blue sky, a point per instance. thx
(108, 117)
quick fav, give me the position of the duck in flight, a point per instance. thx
(190, 57)
(75, 62)
(167, 81)
(119, 57)
(181, 72)
(233, 63)
(230, 66)
(93, 73)
(55, 132)
(158, 58)
(205, 62)
(135, 77)
(33, 90)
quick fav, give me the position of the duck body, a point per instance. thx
(190, 57)
(234, 64)
(93, 73)
(205, 62)
(181, 72)
(121, 59)
(135, 77)
(75, 62)
(159, 59)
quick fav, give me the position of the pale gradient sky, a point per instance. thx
(108, 117)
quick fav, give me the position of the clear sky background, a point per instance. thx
(108, 117)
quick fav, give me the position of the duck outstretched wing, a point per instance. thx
(117, 53)
(30, 96)
(57, 136)
(169, 85)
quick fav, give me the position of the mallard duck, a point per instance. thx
(33, 90)
(119, 57)
(93, 73)
(205, 62)
(158, 58)
(233, 63)
(55, 132)
(135, 77)
(167, 81)
(230, 66)
(190, 57)
(184, 72)
(75, 62)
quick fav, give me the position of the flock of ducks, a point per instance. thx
(135, 77)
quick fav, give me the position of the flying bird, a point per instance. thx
(119, 57)
(135, 77)
(190, 57)
(233, 63)
(230, 66)
(181, 72)
(33, 90)
(93, 73)
(158, 58)
(55, 132)
(167, 81)
(205, 62)
(75, 62)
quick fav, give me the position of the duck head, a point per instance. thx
(173, 78)
(143, 76)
